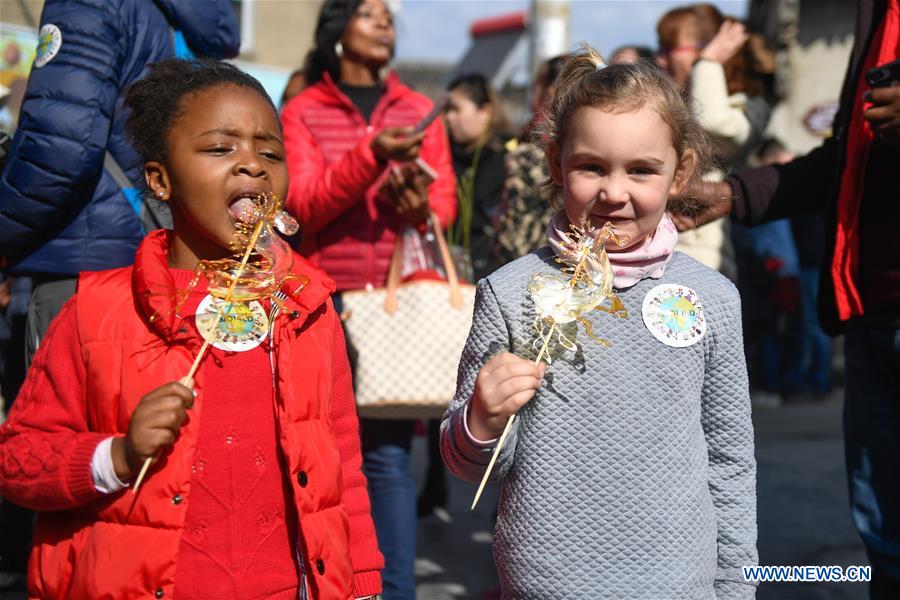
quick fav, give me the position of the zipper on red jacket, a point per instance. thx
(304, 584)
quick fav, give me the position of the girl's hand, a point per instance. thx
(410, 191)
(154, 425)
(504, 385)
(728, 41)
(397, 143)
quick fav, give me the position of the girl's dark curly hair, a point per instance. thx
(155, 100)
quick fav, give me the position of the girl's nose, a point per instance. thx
(613, 190)
(248, 163)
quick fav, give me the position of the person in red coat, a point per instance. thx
(350, 146)
(256, 488)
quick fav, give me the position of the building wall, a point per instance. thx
(280, 31)
(11, 12)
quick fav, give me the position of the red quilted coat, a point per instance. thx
(93, 546)
(349, 230)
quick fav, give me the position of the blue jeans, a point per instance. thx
(809, 359)
(386, 462)
(872, 445)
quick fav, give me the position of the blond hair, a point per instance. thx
(586, 80)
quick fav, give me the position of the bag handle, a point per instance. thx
(393, 277)
(456, 299)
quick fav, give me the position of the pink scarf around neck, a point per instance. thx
(647, 260)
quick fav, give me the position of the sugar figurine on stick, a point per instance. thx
(559, 300)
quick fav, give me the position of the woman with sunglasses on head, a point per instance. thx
(706, 54)
(350, 146)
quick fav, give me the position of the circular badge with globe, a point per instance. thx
(240, 327)
(674, 315)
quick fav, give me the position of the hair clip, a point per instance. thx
(601, 65)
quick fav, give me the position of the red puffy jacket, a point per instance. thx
(90, 545)
(349, 231)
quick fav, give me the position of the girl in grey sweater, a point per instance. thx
(629, 472)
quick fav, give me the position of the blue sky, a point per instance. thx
(438, 30)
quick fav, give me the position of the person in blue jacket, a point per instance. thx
(70, 193)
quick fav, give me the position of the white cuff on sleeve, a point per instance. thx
(102, 470)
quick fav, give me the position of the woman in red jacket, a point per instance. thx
(341, 135)
(256, 489)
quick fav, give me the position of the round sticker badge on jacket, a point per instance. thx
(674, 315)
(243, 326)
(49, 42)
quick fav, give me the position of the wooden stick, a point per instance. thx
(500, 442)
(188, 380)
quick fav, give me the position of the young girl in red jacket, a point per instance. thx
(256, 489)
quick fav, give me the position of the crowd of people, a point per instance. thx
(137, 149)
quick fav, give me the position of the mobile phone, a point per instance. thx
(438, 108)
(884, 75)
(427, 169)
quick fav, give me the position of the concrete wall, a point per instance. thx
(277, 33)
(18, 13)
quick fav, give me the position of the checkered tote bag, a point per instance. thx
(407, 338)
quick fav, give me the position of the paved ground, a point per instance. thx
(803, 516)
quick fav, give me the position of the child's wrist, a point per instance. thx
(478, 425)
(121, 464)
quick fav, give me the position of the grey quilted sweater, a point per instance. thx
(631, 474)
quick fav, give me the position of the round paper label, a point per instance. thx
(674, 315)
(242, 326)
(49, 42)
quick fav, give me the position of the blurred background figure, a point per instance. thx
(706, 56)
(350, 144)
(804, 353)
(296, 84)
(631, 54)
(478, 136)
(70, 194)
(525, 212)
(768, 280)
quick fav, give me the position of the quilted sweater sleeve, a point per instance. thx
(45, 446)
(319, 194)
(728, 429)
(465, 457)
(364, 555)
(64, 126)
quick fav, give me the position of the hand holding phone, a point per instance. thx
(436, 111)
(884, 113)
(397, 143)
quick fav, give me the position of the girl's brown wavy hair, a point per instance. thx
(586, 80)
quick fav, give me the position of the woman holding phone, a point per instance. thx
(351, 151)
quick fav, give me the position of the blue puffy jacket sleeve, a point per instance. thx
(57, 152)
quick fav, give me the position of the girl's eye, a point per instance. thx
(591, 168)
(642, 171)
(271, 154)
(218, 150)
